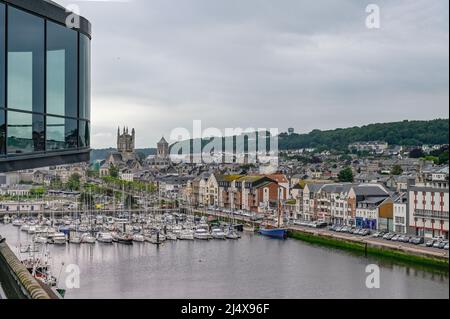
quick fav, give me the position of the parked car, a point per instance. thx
(437, 243)
(406, 238)
(365, 232)
(395, 237)
(430, 242)
(443, 243)
(417, 240)
(321, 225)
(377, 234)
(446, 246)
(389, 236)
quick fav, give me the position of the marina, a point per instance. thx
(198, 266)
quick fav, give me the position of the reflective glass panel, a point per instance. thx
(85, 77)
(25, 133)
(25, 61)
(84, 134)
(62, 75)
(61, 133)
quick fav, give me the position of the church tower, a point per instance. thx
(126, 141)
(162, 149)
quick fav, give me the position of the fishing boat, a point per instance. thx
(39, 268)
(103, 237)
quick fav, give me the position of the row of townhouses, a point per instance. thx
(255, 193)
(420, 206)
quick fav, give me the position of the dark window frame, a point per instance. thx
(5, 109)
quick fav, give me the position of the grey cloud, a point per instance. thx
(159, 64)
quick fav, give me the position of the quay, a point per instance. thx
(15, 280)
(427, 256)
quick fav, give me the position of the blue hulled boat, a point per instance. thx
(274, 232)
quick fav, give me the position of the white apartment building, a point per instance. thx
(401, 213)
(429, 204)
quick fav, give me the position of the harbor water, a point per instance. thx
(251, 267)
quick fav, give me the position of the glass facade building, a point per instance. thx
(45, 72)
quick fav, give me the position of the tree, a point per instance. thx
(396, 170)
(416, 153)
(74, 182)
(56, 183)
(443, 157)
(38, 191)
(93, 173)
(346, 175)
(113, 171)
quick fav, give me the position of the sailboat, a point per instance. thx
(272, 231)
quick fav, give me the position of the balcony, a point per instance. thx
(425, 213)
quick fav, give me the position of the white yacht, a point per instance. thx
(104, 238)
(138, 238)
(57, 239)
(32, 229)
(25, 227)
(218, 233)
(88, 239)
(75, 240)
(186, 234)
(232, 234)
(171, 236)
(202, 233)
(17, 222)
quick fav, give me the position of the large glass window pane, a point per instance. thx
(2, 132)
(2, 55)
(61, 133)
(25, 61)
(85, 77)
(25, 133)
(84, 134)
(62, 61)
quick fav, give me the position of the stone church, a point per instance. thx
(125, 158)
(162, 157)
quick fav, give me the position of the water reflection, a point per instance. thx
(252, 267)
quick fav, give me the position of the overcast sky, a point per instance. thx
(160, 64)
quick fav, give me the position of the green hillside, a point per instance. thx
(408, 133)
